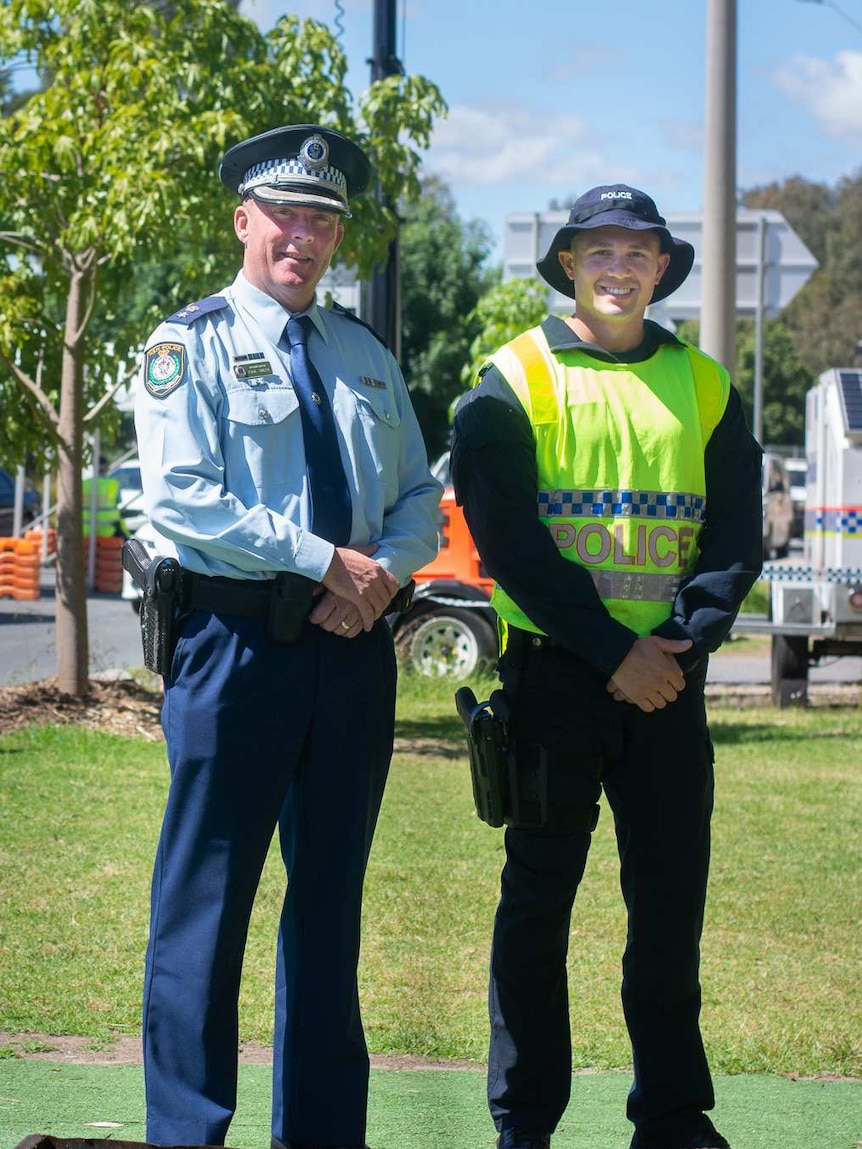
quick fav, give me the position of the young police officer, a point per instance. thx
(613, 492)
(281, 457)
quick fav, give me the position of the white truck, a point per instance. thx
(815, 607)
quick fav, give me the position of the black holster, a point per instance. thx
(502, 794)
(289, 604)
(160, 580)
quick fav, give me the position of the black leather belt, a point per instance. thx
(251, 598)
(247, 597)
(526, 639)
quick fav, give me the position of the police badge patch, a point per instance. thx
(164, 369)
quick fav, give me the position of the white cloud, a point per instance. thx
(830, 90)
(486, 146)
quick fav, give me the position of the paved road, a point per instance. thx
(28, 649)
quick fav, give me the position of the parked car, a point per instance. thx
(777, 507)
(131, 501)
(32, 503)
(797, 471)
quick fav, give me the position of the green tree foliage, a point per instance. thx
(786, 379)
(825, 318)
(112, 166)
(501, 314)
(442, 279)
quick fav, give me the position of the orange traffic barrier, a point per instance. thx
(108, 575)
(19, 569)
(35, 536)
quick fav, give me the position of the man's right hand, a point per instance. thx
(649, 676)
(354, 576)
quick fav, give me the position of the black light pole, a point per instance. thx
(382, 295)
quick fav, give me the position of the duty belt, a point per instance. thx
(252, 598)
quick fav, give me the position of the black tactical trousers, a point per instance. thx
(657, 773)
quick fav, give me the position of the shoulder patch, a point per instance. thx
(192, 311)
(164, 368)
(339, 310)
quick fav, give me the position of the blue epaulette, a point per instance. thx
(192, 311)
(351, 315)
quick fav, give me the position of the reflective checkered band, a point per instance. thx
(613, 504)
(278, 173)
(630, 586)
(778, 572)
(835, 520)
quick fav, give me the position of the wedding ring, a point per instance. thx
(345, 625)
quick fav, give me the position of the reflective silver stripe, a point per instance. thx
(598, 504)
(636, 586)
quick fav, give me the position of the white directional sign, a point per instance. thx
(772, 262)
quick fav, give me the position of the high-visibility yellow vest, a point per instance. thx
(620, 457)
(107, 506)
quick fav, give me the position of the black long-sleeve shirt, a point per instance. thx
(495, 477)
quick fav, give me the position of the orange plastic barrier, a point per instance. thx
(108, 575)
(19, 569)
(35, 536)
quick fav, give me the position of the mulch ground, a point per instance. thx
(117, 706)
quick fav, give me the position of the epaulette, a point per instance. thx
(192, 311)
(336, 307)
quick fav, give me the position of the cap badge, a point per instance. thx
(314, 152)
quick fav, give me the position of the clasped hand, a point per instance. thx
(356, 591)
(649, 676)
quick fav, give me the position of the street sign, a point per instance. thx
(772, 262)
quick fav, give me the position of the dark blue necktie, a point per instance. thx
(331, 512)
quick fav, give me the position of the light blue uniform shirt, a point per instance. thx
(221, 447)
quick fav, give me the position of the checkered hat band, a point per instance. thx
(615, 504)
(276, 173)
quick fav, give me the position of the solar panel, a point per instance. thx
(851, 398)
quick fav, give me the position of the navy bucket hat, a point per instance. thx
(617, 205)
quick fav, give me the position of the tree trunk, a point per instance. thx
(71, 602)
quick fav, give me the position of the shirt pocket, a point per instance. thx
(260, 407)
(380, 422)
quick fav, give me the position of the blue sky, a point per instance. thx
(550, 97)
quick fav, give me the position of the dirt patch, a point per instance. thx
(123, 1049)
(119, 705)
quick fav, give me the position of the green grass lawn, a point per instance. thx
(80, 814)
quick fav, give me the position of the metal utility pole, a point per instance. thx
(718, 313)
(382, 292)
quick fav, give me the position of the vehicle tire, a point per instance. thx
(136, 604)
(789, 670)
(450, 640)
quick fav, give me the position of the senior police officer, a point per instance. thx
(283, 462)
(613, 492)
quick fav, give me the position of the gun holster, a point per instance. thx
(289, 605)
(160, 580)
(501, 793)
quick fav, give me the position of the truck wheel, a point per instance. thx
(451, 640)
(789, 670)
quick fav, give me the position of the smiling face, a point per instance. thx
(614, 271)
(287, 248)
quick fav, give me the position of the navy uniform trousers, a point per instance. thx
(262, 735)
(657, 773)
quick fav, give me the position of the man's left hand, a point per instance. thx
(337, 615)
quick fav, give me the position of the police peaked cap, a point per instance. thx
(301, 164)
(617, 205)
